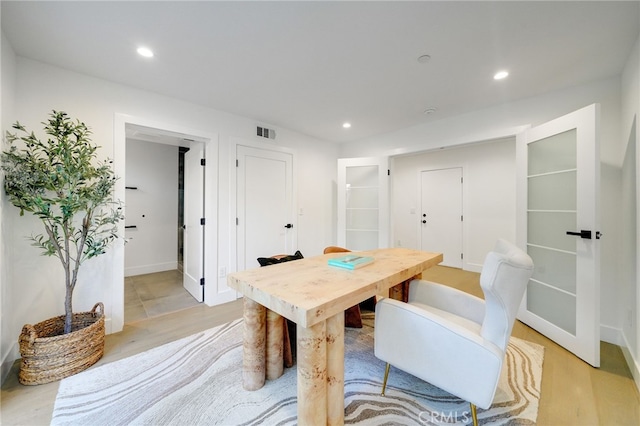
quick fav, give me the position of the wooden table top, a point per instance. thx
(308, 290)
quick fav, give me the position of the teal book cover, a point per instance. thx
(350, 261)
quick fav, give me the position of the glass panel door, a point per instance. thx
(362, 207)
(557, 195)
(363, 203)
(551, 211)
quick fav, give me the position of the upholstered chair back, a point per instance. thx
(505, 274)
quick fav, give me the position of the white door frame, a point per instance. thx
(211, 209)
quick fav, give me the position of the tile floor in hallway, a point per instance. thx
(151, 295)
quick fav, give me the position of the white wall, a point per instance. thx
(630, 263)
(35, 286)
(628, 240)
(7, 78)
(153, 208)
(7, 323)
(488, 193)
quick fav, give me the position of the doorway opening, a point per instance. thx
(155, 273)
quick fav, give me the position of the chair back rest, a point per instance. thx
(335, 249)
(505, 274)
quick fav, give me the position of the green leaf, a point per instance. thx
(60, 181)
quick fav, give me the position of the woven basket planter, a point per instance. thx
(49, 355)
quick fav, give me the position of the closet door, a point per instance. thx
(265, 213)
(363, 203)
(441, 214)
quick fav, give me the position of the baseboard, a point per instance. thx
(634, 364)
(8, 360)
(150, 269)
(611, 335)
(472, 267)
(220, 298)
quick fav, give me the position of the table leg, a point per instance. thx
(275, 345)
(312, 374)
(253, 345)
(401, 291)
(335, 370)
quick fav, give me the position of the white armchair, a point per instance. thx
(450, 338)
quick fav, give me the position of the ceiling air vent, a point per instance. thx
(266, 133)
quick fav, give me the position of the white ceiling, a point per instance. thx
(310, 66)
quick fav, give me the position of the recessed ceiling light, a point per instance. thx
(346, 125)
(424, 59)
(500, 75)
(145, 51)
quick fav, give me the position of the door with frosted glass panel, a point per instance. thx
(363, 203)
(558, 222)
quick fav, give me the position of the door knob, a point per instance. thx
(289, 225)
(582, 234)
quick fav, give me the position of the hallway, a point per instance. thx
(152, 295)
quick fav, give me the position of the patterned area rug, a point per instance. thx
(198, 381)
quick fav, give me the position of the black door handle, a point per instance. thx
(582, 234)
(289, 225)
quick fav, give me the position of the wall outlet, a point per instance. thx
(222, 272)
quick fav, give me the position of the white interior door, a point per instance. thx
(193, 248)
(441, 214)
(363, 203)
(558, 220)
(264, 204)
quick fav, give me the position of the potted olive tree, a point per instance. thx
(60, 181)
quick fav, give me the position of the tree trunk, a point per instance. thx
(68, 311)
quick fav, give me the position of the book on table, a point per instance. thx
(350, 261)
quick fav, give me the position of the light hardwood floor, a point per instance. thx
(573, 393)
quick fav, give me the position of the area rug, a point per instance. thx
(198, 381)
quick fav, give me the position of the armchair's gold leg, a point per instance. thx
(386, 376)
(474, 414)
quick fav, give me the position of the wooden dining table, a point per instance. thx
(314, 295)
